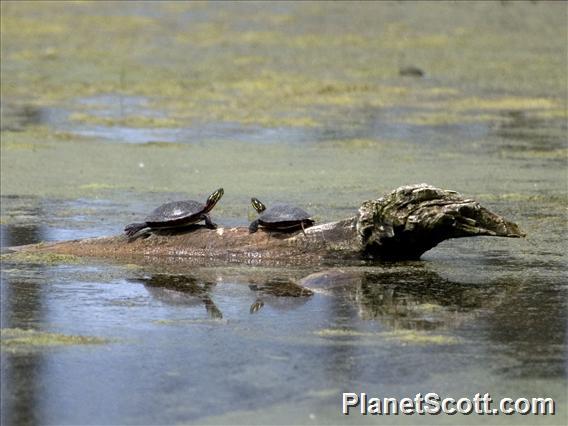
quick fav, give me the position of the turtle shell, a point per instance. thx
(176, 212)
(286, 213)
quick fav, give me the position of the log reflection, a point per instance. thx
(405, 299)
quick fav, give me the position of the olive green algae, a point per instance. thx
(296, 102)
(411, 337)
(251, 79)
(16, 339)
(38, 257)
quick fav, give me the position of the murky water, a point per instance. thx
(286, 102)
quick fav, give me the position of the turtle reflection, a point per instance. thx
(408, 299)
(280, 293)
(182, 290)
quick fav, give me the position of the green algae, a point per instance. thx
(98, 186)
(506, 103)
(37, 257)
(360, 143)
(197, 169)
(39, 136)
(129, 121)
(305, 67)
(162, 145)
(22, 146)
(340, 332)
(185, 322)
(411, 337)
(337, 80)
(17, 339)
(248, 81)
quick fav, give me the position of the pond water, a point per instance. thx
(287, 102)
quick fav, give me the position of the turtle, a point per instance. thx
(280, 217)
(178, 214)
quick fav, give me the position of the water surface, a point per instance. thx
(109, 110)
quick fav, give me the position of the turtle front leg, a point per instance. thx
(134, 228)
(208, 223)
(253, 227)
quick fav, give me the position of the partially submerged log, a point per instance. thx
(401, 225)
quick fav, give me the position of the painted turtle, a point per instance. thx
(279, 217)
(178, 214)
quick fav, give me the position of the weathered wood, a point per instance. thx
(401, 225)
(413, 219)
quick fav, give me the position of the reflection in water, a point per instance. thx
(522, 132)
(367, 303)
(22, 307)
(16, 118)
(25, 215)
(21, 388)
(272, 365)
(182, 290)
(280, 293)
(422, 301)
(532, 327)
(405, 299)
(18, 235)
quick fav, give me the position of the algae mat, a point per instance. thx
(112, 108)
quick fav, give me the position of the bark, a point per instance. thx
(401, 225)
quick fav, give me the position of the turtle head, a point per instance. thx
(258, 206)
(213, 199)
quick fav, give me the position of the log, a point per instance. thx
(401, 225)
